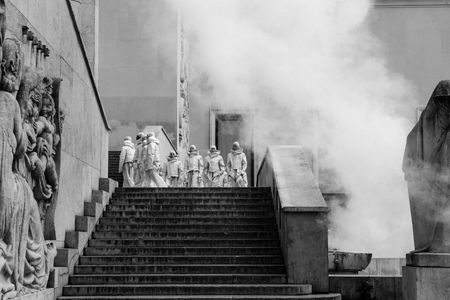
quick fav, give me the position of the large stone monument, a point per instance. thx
(427, 170)
(30, 128)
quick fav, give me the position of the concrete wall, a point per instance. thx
(416, 38)
(358, 287)
(130, 115)
(138, 65)
(84, 141)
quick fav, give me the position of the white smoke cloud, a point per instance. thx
(288, 58)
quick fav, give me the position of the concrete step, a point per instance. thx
(209, 297)
(198, 195)
(179, 279)
(188, 220)
(185, 243)
(181, 268)
(230, 190)
(187, 289)
(186, 227)
(190, 207)
(185, 235)
(186, 259)
(126, 250)
(188, 201)
(184, 214)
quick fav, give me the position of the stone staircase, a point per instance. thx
(113, 165)
(185, 243)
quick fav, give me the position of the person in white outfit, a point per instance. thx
(153, 162)
(126, 162)
(237, 166)
(173, 170)
(214, 168)
(194, 168)
(138, 167)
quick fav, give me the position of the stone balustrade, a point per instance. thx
(301, 214)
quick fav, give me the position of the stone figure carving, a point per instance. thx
(27, 148)
(426, 165)
(126, 162)
(194, 168)
(237, 166)
(215, 169)
(173, 170)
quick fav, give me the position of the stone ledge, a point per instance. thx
(66, 257)
(85, 223)
(101, 197)
(421, 283)
(93, 209)
(76, 240)
(47, 294)
(423, 259)
(107, 185)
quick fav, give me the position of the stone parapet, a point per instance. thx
(301, 214)
(426, 276)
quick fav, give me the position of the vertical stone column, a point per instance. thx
(86, 14)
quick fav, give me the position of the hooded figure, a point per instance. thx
(427, 170)
(137, 161)
(126, 162)
(173, 170)
(152, 162)
(194, 168)
(237, 166)
(214, 168)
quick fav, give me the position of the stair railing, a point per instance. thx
(301, 214)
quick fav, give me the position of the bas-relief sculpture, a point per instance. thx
(427, 171)
(30, 127)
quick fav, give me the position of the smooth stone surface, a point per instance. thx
(47, 294)
(93, 209)
(424, 259)
(101, 197)
(76, 240)
(66, 257)
(85, 223)
(301, 214)
(423, 283)
(107, 185)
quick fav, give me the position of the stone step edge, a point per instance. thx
(75, 241)
(331, 296)
(179, 275)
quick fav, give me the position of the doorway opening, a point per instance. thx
(227, 127)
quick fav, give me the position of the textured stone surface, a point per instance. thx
(355, 287)
(83, 148)
(426, 283)
(301, 214)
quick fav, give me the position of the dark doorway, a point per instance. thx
(230, 127)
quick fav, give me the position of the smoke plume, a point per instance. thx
(315, 76)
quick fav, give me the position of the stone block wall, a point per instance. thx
(84, 139)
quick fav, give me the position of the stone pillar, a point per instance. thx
(426, 276)
(86, 14)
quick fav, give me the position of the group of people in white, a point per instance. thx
(141, 166)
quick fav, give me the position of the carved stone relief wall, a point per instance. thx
(31, 123)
